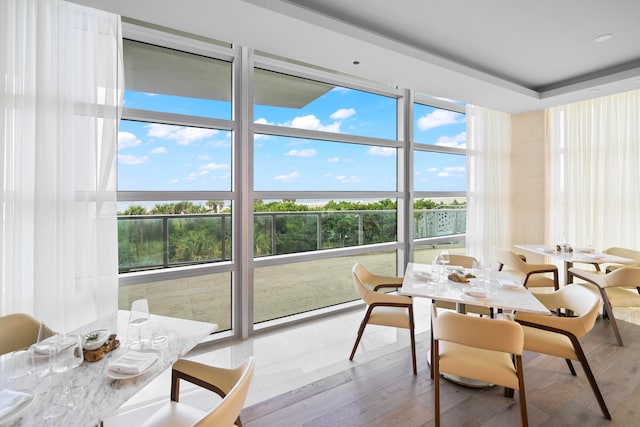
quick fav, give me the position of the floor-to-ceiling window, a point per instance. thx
(439, 177)
(248, 185)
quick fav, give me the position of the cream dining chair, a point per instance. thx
(618, 288)
(533, 275)
(19, 331)
(559, 335)
(479, 348)
(230, 384)
(383, 309)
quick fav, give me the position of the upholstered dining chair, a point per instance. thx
(617, 288)
(559, 336)
(479, 348)
(383, 309)
(621, 252)
(533, 275)
(18, 331)
(230, 384)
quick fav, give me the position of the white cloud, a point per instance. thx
(454, 169)
(333, 159)
(127, 140)
(432, 170)
(127, 159)
(382, 151)
(343, 113)
(159, 150)
(262, 121)
(213, 166)
(181, 134)
(310, 152)
(194, 175)
(344, 179)
(458, 141)
(291, 177)
(311, 122)
(439, 118)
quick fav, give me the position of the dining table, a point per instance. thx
(497, 290)
(571, 256)
(96, 391)
(503, 291)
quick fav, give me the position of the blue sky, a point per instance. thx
(157, 157)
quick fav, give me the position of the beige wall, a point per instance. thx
(528, 178)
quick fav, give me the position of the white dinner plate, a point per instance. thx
(475, 293)
(507, 284)
(122, 376)
(13, 415)
(422, 275)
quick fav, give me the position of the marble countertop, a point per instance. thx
(93, 393)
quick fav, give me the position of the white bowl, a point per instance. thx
(94, 339)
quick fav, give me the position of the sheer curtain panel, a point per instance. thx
(594, 167)
(61, 89)
(488, 162)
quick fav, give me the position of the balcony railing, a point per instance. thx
(161, 241)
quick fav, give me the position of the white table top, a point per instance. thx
(102, 395)
(579, 256)
(517, 299)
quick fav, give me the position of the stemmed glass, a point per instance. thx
(443, 258)
(139, 316)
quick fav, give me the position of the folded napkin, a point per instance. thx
(10, 400)
(133, 362)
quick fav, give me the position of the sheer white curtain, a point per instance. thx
(594, 167)
(488, 175)
(61, 89)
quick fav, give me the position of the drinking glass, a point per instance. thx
(68, 353)
(42, 352)
(20, 365)
(443, 259)
(137, 318)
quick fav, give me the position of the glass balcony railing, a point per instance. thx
(148, 242)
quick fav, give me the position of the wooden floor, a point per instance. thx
(383, 392)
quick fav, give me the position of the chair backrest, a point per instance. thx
(465, 261)
(17, 331)
(480, 332)
(584, 304)
(625, 253)
(509, 258)
(228, 410)
(622, 277)
(360, 275)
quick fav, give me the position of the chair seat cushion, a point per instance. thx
(174, 414)
(546, 342)
(390, 316)
(540, 281)
(478, 364)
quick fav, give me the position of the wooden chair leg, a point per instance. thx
(571, 368)
(592, 381)
(436, 382)
(609, 311)
(523, 399)
(413, 340)
(360, 332)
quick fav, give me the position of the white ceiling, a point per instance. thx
(512, 56)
